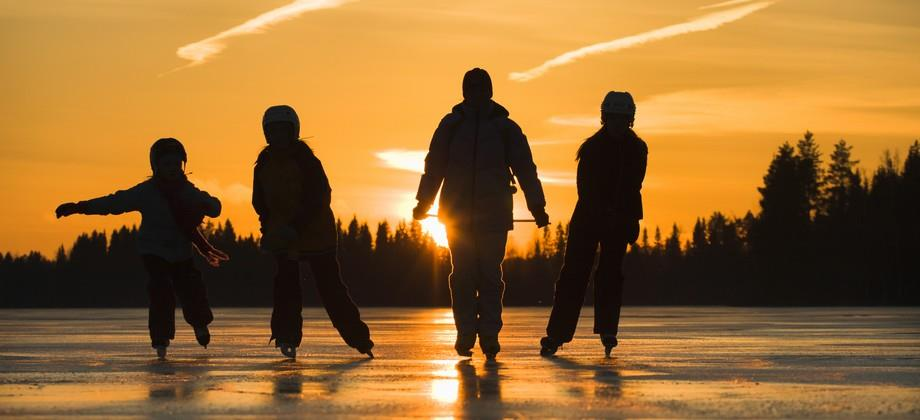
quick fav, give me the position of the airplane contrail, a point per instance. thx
(199, 52)
(724, 4)
(703, 23)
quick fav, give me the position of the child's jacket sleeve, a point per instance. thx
(119, 202)
(210, 205)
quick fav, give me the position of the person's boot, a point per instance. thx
(161, 351)
(288, 350)
(609, 341)
(549, 346)
(365, 348)
(203, 335)
(464, 344)
(489, 345)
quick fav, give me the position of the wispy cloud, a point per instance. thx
(235, 193)
(563, 178)
(407, 160)
(770, 109)
(703, 23)
(724, 4)
(201, 51)
(414, 161)
(551, 142)
(576, 120)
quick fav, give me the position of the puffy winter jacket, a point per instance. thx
(290, 190)
(474, 152)
(158, 235)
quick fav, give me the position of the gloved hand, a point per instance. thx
(279, 238)
(541, 218)
(420, 212)
(67, 209)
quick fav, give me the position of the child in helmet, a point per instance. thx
(291, 194)
(171, 209)
(611, 168)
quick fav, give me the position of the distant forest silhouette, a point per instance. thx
(825, 234)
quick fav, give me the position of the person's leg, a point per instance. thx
(287, 322)
(608, 285)
(339, 306)
(462, 282)
(192, 293)
(490, 252)
(580, 249)
(162, 310)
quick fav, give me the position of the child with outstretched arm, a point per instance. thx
(172, 209)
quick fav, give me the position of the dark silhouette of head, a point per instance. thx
(167, 157)
(618, 112)
(281, 126)
(477, 87)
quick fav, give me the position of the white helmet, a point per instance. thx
(619, 103)
(282, 113)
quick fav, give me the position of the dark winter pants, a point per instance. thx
(585, 233)
(287, 322)
(169, 280)
(476, 286)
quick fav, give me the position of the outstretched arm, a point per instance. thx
(118, 202)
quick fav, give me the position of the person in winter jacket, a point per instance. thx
(611, 168)
(475, 154)
(171, 210)
(291, 195)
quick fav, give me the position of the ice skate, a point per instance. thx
(203, 335)
(288, 350)
(464, 344)
(489, 345)
(549, 346)
(609, 341)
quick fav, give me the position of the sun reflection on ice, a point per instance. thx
(445, 388)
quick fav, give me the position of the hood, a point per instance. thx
(495, 110)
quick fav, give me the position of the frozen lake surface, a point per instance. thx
(671, 362)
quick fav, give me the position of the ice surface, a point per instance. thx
(671, 362)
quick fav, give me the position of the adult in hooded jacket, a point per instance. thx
(475, 154)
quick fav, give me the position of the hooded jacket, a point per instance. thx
(473, 153)
(290, 189)
(159, 233)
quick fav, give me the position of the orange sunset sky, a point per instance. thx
(87, 86)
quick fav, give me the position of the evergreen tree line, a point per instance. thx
(827, 233)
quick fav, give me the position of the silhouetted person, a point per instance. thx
(476, 152)
(171, 210)
(291, 194)
(611, 168)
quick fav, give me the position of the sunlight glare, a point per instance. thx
(436, 230)
(444, 390)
